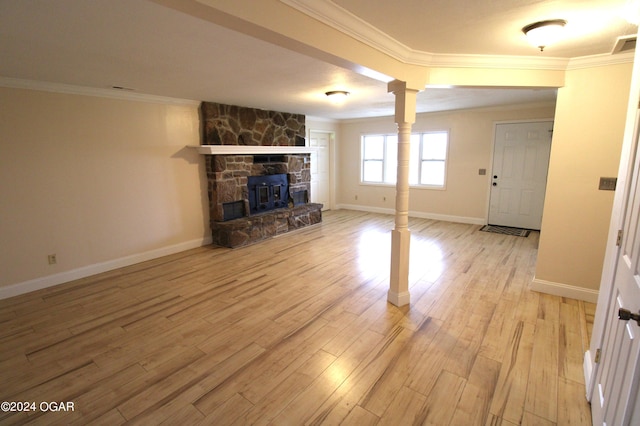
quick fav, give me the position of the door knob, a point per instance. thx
(495, 176)
(494, 184)
(626, 315)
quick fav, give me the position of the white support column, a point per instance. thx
(401, 236)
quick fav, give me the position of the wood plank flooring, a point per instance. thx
(297, 330)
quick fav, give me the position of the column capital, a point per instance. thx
(405, 101)
(397, 86)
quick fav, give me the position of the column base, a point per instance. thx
(398, 299)
(399, 277)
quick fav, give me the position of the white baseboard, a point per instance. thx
(97, 268)
(422, 215)
(564, 290)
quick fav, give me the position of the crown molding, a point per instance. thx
(46, 86)
(498, 61)
(344, 21)
(600, 60)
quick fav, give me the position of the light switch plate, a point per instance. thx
(608, 183)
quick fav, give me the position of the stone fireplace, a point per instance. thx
(258, 173)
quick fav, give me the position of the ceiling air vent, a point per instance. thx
(625, 44)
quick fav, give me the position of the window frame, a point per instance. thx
(421, 160)
(384, 161)
(413, 161)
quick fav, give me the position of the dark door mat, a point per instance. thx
(506, 230)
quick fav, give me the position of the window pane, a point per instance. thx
(391, 163)
(373, 147)
(435, 146)
(372, 171)
(432, 173)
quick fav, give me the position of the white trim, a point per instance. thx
(422, 215)
(97, 268)
(369, 209)
(600, 60)
(342, 20)
(449, 60)
(587, 367)
(347, 23)
(564, 290)
(46, 86)
(249, 150)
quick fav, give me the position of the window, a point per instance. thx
(427, 160)
(433, 158)
(379, 158)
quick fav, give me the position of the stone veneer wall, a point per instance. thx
(234, 125)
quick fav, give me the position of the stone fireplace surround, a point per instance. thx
(270, 133)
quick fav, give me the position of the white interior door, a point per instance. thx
(320, 168)
(615, 401)
(519, 178)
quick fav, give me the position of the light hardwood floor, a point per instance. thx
(296, 330)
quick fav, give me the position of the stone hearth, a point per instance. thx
(232, 224)
(248, 230)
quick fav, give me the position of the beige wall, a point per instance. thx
(105, 182)
(319, 124)
(99, 182)
(471, 143)
(590, 119)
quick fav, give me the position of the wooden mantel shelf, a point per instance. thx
(249, 150)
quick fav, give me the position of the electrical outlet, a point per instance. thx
(52, 259)
(608, 183)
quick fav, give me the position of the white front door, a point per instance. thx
(519, 176)
(320, 163)
(615, 399)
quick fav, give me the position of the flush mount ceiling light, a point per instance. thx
(337, 94)
(543, 33)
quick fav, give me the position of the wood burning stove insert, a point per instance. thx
(267, 193)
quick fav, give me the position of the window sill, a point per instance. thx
(393, 185)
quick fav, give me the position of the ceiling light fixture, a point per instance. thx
(337, 94)
(543, 33)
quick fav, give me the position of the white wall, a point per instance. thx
(470, 149)
(99, 182)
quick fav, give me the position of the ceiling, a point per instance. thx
(145, 47)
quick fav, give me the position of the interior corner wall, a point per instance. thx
(465, 198)
(99, 182)
(587, 139)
